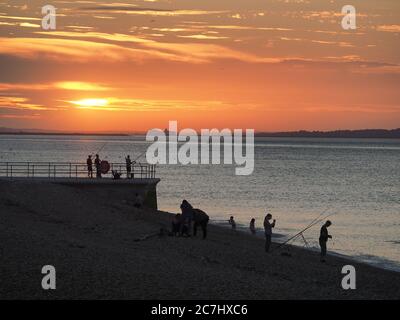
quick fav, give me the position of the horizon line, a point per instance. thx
(304, 132)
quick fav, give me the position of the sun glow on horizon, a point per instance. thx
(88, 103)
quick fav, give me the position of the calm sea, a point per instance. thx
(295, 179)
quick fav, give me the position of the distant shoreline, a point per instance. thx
(351, 134)
(67, 134)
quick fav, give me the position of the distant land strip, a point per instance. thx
(365, 133)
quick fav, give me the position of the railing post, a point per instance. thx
(28, 169)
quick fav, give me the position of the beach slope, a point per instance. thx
(105, 249)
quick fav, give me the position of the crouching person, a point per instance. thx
(200, 219)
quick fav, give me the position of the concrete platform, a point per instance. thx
(120, 189)
(66, 180)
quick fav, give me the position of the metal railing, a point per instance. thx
(71, 170)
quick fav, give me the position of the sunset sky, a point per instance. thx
(270, 65)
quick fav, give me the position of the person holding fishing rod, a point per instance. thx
(89, 163)
(268, 230)
(97, 163)
(316, 221)
(323, 239)
(129, 167)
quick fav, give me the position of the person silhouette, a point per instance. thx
(186, 217)
(200, 219)
(323, 239)
(232, 222)
(268, 230)
(89, 163)
(253, 226)
(128, 167)
(97, 162)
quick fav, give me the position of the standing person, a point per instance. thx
(97, 162)
(323, 239)
(253, 226)
(89, 163)
(232, 223)
(268, 230)
(187, 216)
(201, 219)
(128, 167)
(176, 224)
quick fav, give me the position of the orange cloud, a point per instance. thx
(118, 37)
(339, 43)
(22, 86)
(63, 85)
(75, 50)
(147, 105)
(19, 18)
(29, 25)
(19, 116)
(203, 37)
(80, 86)
(389, 28)
(19, 103)
(78, 50)
(135, 10)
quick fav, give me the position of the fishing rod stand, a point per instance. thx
(304, 239)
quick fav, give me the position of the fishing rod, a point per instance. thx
(305, 229)
(137, 158)
(140, 156)
(102, 147)
(134, 160)
(314, 220)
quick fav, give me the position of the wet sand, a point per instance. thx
(91, 241)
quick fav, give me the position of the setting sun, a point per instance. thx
(83, 103)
